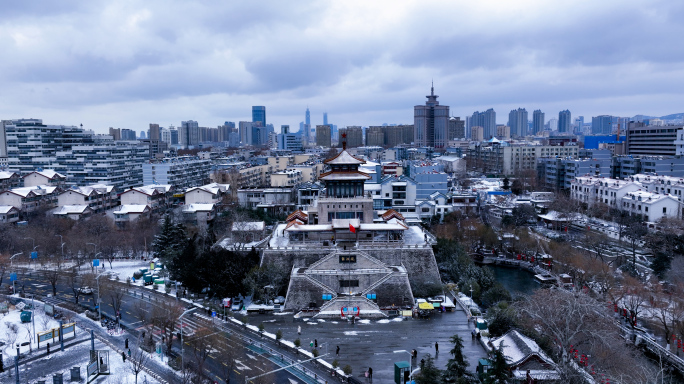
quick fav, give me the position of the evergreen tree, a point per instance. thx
(498, 372)
(170, 241)
(456, 369)
(429, 373)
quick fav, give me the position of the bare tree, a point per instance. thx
(115, 293)
(635, 298)
(27, 327)
(75, 282)
(228, 351)
(11, 333)
(141, 312)
(164, 316)
(201, 346)
(138, 361)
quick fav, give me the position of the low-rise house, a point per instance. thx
(651, 206)
(287, 178)
(245, 232)
(73, 212)
(44, 177)
(155, 196)
(199, 214)
(590, 190)
(8, 214)
(207, 194)
(9, 180)
(130, 212)
(270, 200)
(28, 199)
(98, 197)
(526, 360)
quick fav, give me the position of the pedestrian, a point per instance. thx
(436, 347)
(370, 373)
(315, 343)
(143, 335)
(129, 353)
(337, 351)
(123, 356)
(48, 349)
(422, 363)
(126, 343)
(311, 344)
(101, 361)
(299, 330)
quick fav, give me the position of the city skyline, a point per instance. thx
(126, 66)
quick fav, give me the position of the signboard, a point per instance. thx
(92, 368)
(13, 276)
(49, 309)
(69, 328)
(34, 255)
(20, 306)
(96, 262)
(226, 303)
(327, 296)
(371, 296)
(152, 266)
(213, 313)
(46, 336)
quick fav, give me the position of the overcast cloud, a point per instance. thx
(128, 63)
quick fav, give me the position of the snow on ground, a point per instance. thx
(279, 239)
(78, 356)
(11, 321)
(414, 235)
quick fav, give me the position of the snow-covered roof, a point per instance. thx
(310, 228)
(213, 188)
(344, 158)
(6, 175)
(345, 223)
(346, 175)
(248, 226)
(37, 190)
(557, 216)
(72, 210)
(517, 347)
(132, 208)
(193, 208)
(6, 209)
(49, 173)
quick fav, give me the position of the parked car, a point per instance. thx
(85, 290)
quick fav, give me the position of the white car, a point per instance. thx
(85, 290)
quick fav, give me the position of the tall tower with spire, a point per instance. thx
(431, 122)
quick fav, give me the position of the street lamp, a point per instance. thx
(16, 254)
(34, 246)
(99, 305)
(471, 292)
(61, 240)
(181, 332)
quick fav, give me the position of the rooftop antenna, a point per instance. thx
(432, 88)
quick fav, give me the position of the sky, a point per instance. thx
(126, 64)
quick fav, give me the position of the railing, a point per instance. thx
(377, 283)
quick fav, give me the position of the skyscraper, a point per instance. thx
(431, 122)
(579, 124)
(602, 124)
(486, 120)
(189, 133)
(325, 118)
(456, 128)
(517, 121)
(154, 132)
(306, 134)
(564, 121)
(537, 121)
(323, 135)
(259, 115)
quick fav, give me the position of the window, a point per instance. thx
(425, 210)
(664, 210)
(349, 283)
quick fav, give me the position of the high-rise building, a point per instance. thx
(128, 134)
(564, 121)
(375, 137)
(142, 135)
(537, 121)
(173, 132)
(259, 115)
(189, 134)
(602, 124)
(306, 132)
(642, 139)
(486, 120)
(354, 136)
(431, 122)
(115, 133)
(517, 121)
(154, 132)
(503, 132)
(325, 118)
(552, 125)
(477, 133)
(323, 135)
(456, 128)
(579, 124)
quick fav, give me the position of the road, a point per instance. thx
(251, 360)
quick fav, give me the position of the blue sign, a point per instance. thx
(34, 255)
(213, 313)
(326, 297)
(13, 276)
(96, 262)
(371, 296)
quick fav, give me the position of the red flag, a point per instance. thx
(352, 229)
